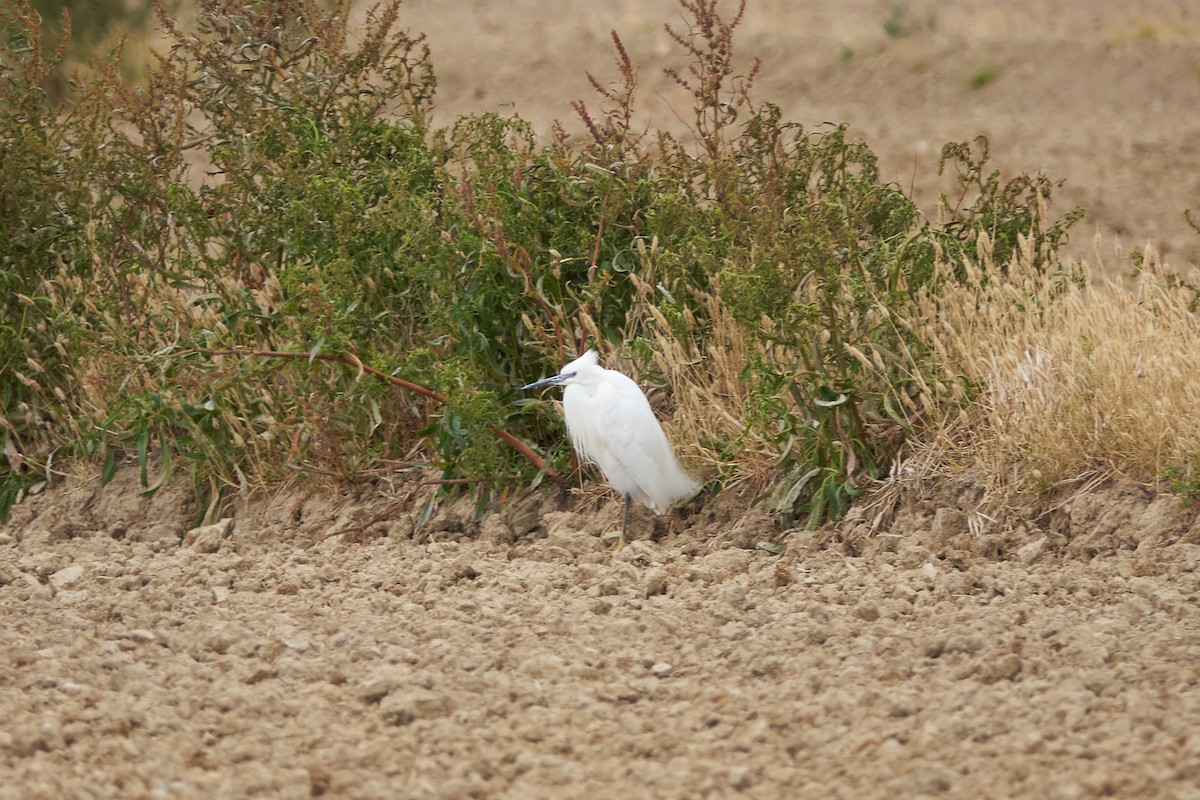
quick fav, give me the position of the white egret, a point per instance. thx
(611, 425)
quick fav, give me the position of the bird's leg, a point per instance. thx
(622, 543)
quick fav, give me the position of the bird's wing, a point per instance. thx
(616, 428)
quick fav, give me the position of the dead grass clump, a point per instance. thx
(711, 392)
(1080, 379)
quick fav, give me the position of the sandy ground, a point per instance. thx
(314, 646)
(518, 658)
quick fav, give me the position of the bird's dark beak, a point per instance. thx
(553, 379)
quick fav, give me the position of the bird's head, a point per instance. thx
(574, 372)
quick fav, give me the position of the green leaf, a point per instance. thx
(143, 450)
(110, 465)
(164, 474)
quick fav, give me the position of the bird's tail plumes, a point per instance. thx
(670, 487)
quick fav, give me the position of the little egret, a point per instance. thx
(611, 425)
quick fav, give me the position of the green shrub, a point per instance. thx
(262, 257)
(45, 237)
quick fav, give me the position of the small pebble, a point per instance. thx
(67, 577)
(662, 669)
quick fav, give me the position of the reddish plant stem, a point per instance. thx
(354, 361)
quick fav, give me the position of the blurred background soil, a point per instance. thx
(1104, 96)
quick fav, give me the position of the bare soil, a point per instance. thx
(518, 657)
(313, 645)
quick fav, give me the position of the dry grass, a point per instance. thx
(1080, 380)
(706, 382)
(710, 391)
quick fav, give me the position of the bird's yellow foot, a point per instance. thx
(621, 544)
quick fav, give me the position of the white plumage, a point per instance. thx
(612, 425)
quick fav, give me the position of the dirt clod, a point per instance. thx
(208, 538)
(66, 577)
(1005, 668)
